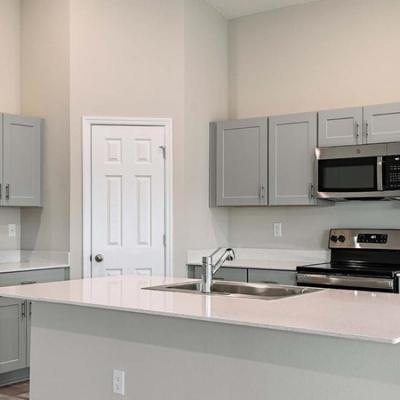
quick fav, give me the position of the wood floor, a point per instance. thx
(19, 391)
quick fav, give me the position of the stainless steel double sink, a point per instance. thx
(238, 289)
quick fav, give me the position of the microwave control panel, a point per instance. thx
(392, 172)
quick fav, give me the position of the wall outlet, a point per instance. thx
(119, 382)
(12, 230)
(277, 229)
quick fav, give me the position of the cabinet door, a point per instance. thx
(21, 161)
(272, 276)
(241, 162)
(292, 143)
(13, 334)
(382, 123)
(225, 274)
(340, 127)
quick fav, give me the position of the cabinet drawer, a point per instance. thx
(37, 276)
(225, 274)
(272, 276)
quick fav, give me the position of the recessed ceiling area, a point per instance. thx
(238, 8)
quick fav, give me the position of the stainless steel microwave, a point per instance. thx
(370, 171)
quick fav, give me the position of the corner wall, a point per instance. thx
(10, 85)
(45, 93)
(327, 54)
(206, 99)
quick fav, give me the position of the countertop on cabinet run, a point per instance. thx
(346, 314)
(278, 259)
(20, 261)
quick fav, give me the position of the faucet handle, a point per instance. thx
(231, 254)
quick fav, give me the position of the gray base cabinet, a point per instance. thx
(15, 320)
(13, 335)
(292, 143)
(223, 274)
(251, 275)
(278, 277)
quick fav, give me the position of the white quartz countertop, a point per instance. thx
(348, 314)
(29, 266)
(20, 261)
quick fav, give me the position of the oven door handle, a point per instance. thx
(379, 172)
(346, 281)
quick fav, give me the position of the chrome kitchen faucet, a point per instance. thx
(209, 269)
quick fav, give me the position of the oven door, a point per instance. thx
(346, 178)
(374, 284)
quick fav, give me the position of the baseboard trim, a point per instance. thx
(12, 377)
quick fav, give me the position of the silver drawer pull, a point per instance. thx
(28, 282)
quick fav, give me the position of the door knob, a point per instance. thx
(99, 258)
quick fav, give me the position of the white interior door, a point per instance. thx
(128, 200)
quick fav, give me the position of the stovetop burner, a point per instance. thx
(366, 259)
(352, 268)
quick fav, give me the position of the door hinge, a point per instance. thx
(164, 151)
(165, 240)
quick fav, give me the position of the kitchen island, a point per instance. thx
(328, 344)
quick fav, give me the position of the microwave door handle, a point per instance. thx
(379, 171)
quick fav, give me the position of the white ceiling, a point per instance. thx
(238, 8)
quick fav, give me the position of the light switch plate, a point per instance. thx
(12, 230)
(119, 382)
(277, 229)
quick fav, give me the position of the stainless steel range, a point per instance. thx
(361, 259)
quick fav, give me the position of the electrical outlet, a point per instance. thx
(277, 229)
(119, 382)
(12, 230)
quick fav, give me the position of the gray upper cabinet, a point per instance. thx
(340, 127)
(13, 335)
(21, 166)
(239, 165)
(292, 142)
(382, 123)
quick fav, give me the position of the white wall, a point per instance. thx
(45, 93)
(10, 56)
(320, 55)
(9, 97)
(126, 60)
(153, 59)
(206, 99)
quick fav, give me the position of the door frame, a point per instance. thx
(87, 123)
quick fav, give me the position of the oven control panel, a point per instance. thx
(359, 239)
(372, 238)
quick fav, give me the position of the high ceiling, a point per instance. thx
(238, 8)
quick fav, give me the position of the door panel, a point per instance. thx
(340, 127)
(21, 161)
(13, 331)
(382, 123)
(292, 142)
(242, 151)
(128, 191)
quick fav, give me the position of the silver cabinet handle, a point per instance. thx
(356, 129)
(23, 310)
(263, 192)
(28, 282)
(8, 191)
(366, 130)
(311, 191)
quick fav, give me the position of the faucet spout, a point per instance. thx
(209, 269)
